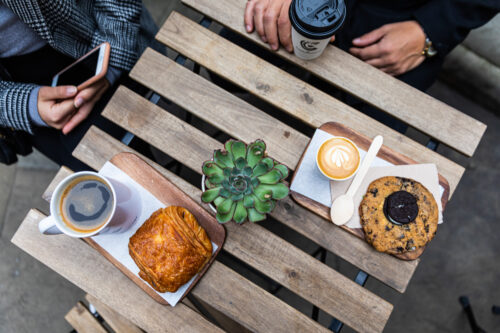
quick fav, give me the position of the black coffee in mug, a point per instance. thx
(314, 22)
(86, 204)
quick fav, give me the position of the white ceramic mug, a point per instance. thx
(54, 224)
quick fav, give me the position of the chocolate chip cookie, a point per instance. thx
(398, 215)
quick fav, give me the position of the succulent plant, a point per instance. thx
(243, 183)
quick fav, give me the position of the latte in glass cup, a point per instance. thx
(338, 158)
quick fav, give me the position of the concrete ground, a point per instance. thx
(463, 259)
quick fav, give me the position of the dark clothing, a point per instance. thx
(445, 22)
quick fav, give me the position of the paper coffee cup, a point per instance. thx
(313, 25)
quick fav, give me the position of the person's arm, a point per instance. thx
(447, 22)
(24, 106)
(118, 23)
(14, 105)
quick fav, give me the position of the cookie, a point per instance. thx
(398, 215)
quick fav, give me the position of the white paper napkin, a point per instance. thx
(137, 204)
(310, 182)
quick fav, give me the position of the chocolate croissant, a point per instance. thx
(170, 248)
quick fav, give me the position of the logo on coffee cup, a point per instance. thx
(308, 45)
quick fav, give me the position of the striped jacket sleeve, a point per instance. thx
(14, 99)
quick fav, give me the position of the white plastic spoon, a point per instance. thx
(343, 207)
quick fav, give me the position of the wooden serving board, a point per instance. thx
(386, 154)
(170, 195)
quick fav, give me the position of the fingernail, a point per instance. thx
(290, 49)
(264, 39)
(357, 40)
(78, 102)
(249, 28)
(274, 47)
(71, 90)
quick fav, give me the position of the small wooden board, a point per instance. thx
(385, 153)
(170, 195)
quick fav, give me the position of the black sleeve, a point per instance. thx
(447, 22)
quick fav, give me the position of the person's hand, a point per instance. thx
(270, 19)
(63, 107)
(84, 102)
(56, 105)
(394, 48)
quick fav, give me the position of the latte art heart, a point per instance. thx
(338, 158)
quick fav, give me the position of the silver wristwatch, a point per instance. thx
(429, 50)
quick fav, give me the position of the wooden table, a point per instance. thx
(230, 298)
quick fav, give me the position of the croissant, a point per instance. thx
(170, 248)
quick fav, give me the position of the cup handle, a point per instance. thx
(47, 226)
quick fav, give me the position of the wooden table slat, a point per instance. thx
(93, 273)
(308, 281)
(107, 147)
(116, 321)
(80, 318)
(218, 107)
(349, 73)
(204, 99)
(285, 91)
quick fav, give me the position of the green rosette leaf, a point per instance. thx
(237, 197)
(264, 207)
(223, 159)
(240, 213)
(260, 169)
(218, 201)
(272, 177)
(223, 218)
(216, 178)
(229, 147)
(225, 193)
(263, 193)
(256, 152)
(239, 150)
(283, 169)
(211, 194)
(269, 162)
(248, 201)
(208, 184)
(210, 168)
(255, 216)
(277, 191)
(225, 206)
(247, 171)
(240, 163)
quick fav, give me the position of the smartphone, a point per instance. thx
(86, 70)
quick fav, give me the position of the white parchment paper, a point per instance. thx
(134, 205)
(310, 182)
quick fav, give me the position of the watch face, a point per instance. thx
(431, 52)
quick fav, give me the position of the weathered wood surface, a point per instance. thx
(218, 107)
(329, 290)
(224, 298)
(121, 109)
(226, 323)
(116, 321)
(349, 73)
(285, 91)
(89, 270)
(80, 318)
